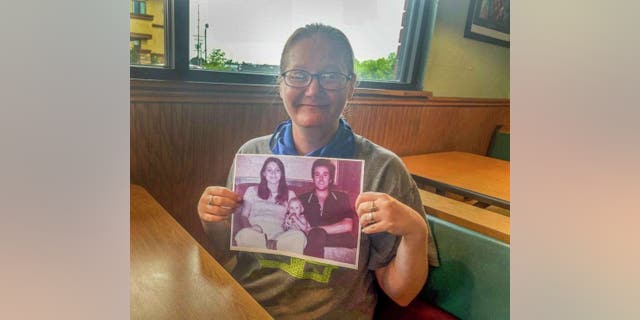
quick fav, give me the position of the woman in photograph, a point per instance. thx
(316, 81)
(263, 212)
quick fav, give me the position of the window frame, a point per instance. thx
(415, 37)
(139, 4)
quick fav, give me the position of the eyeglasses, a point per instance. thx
(327, 80)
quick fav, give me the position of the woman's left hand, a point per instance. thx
(380, 212)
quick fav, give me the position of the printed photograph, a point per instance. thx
(298, 206)
(489, 21)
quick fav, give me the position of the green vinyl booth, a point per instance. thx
(472, 281)
(500, 144)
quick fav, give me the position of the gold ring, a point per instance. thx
(210, 202)
(373, 206)
(370, 217)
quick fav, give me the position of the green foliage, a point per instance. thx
(217, 61)
(133, 56)
(374, 69)
(378, 69)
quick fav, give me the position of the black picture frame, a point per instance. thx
(488, 21)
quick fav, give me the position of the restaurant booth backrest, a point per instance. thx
(472, 281)
(499, 147)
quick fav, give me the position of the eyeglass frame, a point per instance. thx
(348, 78)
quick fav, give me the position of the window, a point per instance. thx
(241, 41)
(139, 7)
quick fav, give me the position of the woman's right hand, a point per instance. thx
(217, 203)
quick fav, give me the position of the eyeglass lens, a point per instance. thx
(301, 79)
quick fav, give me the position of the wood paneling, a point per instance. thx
(179, 149)
(408, 130)
(184, 135)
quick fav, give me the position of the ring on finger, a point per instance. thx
(210, 202)
(373, 206)
(370, 217)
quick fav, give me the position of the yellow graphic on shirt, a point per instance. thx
(296, 269)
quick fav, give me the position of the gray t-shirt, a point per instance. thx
(293, 288)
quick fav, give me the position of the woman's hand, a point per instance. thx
(380, 212)
(405, 275)
(217, 203)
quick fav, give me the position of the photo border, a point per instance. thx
(291, 254)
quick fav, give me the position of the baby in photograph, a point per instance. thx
(295, 220)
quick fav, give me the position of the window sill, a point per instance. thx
(140, 16)
(139, 36)
(200, 92)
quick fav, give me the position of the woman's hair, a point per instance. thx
(330, 33)
(283, 190)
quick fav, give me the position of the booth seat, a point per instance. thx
(500, 144)
(472, 281)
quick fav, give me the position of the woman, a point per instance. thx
(317, 79)
(263, 212)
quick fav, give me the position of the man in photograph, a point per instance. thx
(329, 212)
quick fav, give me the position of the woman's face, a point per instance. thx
(272, 173)
(313, 106)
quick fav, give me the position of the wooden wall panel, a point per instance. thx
(184, 137)
(179, 149)
(410, 130)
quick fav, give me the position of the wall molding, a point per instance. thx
(216, 93)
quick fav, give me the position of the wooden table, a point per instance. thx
(173, 277)
(482, 178)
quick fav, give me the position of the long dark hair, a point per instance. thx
(283, 190)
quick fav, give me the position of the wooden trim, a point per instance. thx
(140, 16)
(198, 92)
(139, 36)
(489, 223)
(155, 25)
(217, 93)
(468, 102)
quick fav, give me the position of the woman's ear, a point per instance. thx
(352, 87)
(280, 93)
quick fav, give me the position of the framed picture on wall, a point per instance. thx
(488, 21)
